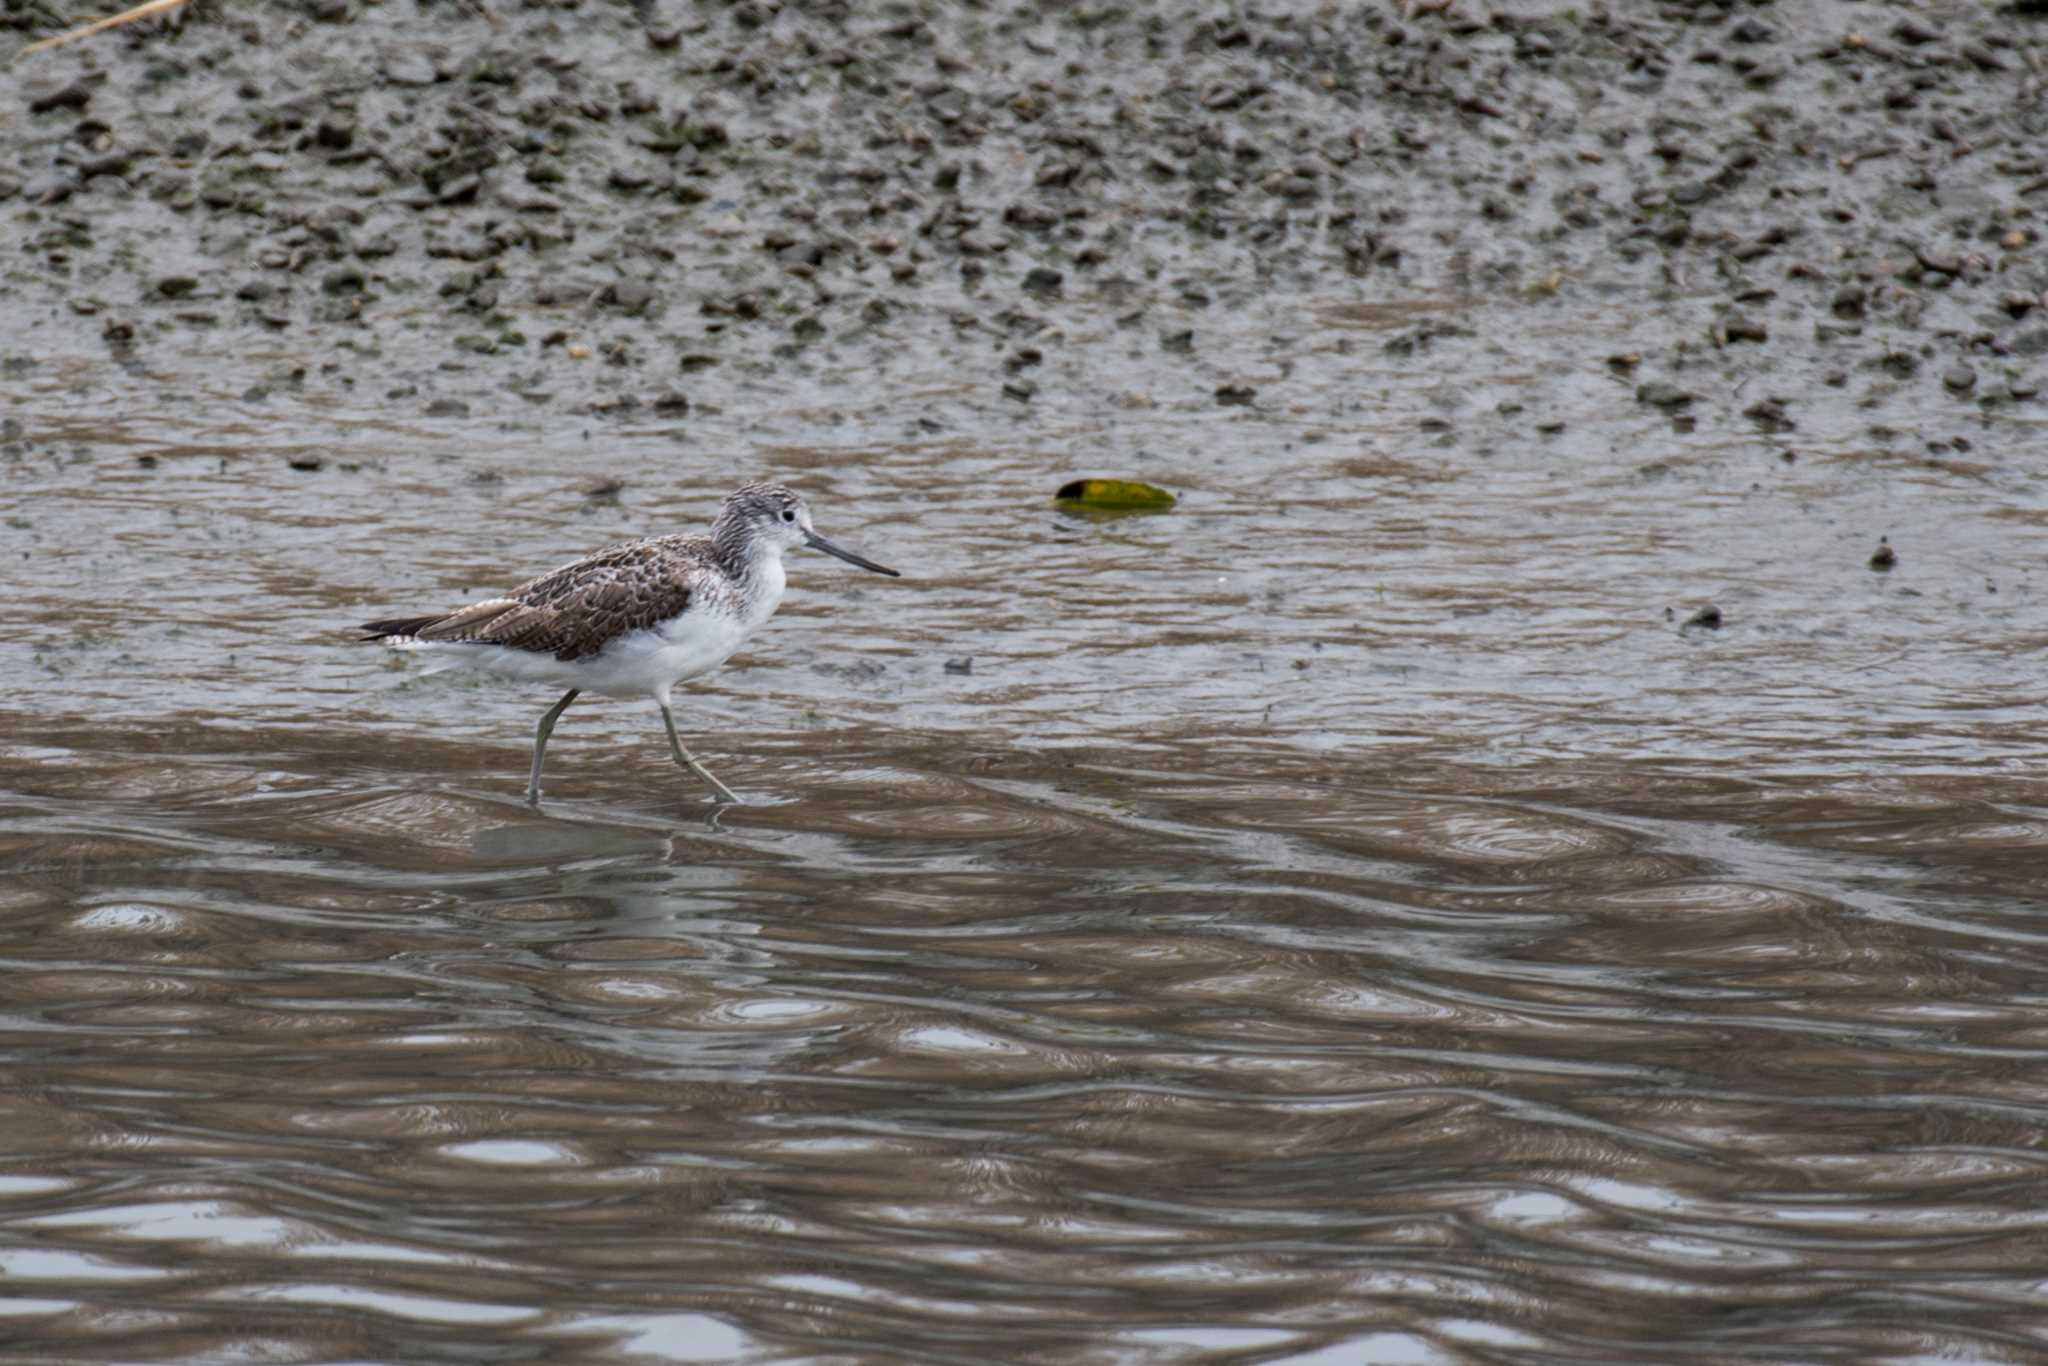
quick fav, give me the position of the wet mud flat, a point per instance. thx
(1535, 858)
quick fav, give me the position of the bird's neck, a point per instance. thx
(753, 564)
(737, 553)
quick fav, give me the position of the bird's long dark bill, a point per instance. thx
(817, 542)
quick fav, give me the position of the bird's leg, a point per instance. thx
(540, 743)
(689, 760)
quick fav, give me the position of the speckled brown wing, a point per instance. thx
(573, 612)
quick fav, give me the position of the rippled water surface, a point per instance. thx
(1351, 918)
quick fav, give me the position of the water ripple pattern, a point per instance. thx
(1048, 1059)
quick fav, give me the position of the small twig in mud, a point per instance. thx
(147, 10)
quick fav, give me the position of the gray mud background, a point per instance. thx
(1537, 325)
(1536, 858)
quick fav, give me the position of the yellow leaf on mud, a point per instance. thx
(1117, 495)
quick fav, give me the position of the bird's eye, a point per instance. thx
(789, 514)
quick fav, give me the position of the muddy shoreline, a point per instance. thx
(637, 211)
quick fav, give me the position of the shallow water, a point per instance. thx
(1354, 917)
(969, 1053)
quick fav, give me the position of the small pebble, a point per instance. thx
(1659, 394)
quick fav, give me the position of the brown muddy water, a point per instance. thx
(1342, 920)
(1494, 876)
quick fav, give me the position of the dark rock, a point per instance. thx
(76, 95)
(1769, 414)
(1236, 395)
(1659, 394)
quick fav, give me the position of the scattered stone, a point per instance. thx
(1769, 414)
(1708, 617)
(1940, 262)
(630, 297)
(1959, 379)
(962, 665)
(1884, 557)
(76, 95)
(1236, 395)
(447, 407)
(1659, 394)
(405, 65)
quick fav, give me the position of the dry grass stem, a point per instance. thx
(142, 11)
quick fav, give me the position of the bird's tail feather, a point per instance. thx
(396, 626)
